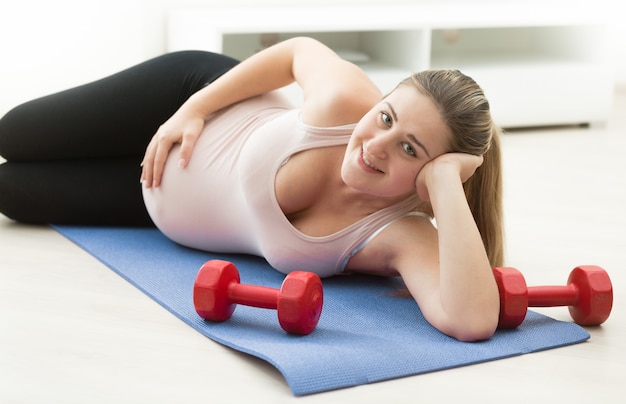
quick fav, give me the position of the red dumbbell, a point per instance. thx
(217, 291)
(589, 295)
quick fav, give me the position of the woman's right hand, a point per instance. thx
(462, 164)
(183, 128)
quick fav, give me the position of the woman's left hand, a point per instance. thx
(182, 128)
(463, 164)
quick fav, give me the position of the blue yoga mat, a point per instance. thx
(366, 334)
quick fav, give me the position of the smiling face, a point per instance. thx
(392, 142)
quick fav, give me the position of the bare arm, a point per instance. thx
(449, 275)
(321, 74)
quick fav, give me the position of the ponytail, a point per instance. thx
(484, 197)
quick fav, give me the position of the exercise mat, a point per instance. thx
(366, 334)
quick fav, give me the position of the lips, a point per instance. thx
(368, 163)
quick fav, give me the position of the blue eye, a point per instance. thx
(409, 149)
(386, 119)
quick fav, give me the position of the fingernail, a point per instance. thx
(181, 163)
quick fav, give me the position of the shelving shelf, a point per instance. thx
(538, 64)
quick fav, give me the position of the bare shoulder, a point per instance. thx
(336, 92)
(410, 242)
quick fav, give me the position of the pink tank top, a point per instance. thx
(224, 201)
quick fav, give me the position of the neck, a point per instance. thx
(358, 201)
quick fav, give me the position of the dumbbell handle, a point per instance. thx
(251, 295)
(551, 296)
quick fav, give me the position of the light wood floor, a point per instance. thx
(72, 331)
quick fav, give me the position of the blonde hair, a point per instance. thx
(465, 110)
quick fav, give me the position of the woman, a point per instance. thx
(349, 182)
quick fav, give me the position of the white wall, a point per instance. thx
(618, 44)
(46, 46)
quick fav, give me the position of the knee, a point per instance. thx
(9, 134)
(5, 134)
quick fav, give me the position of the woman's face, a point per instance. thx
(392, 142)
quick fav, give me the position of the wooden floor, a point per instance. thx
(72, 331)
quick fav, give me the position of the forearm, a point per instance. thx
(468, 291)
(265, 71)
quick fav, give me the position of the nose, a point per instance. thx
(378, 146)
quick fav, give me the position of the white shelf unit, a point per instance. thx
(538, 64)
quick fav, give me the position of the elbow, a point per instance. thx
(478, 331)
(477, 318)
(479, 325)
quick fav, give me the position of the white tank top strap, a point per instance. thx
(365, 242)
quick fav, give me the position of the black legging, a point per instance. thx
(73, 157)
